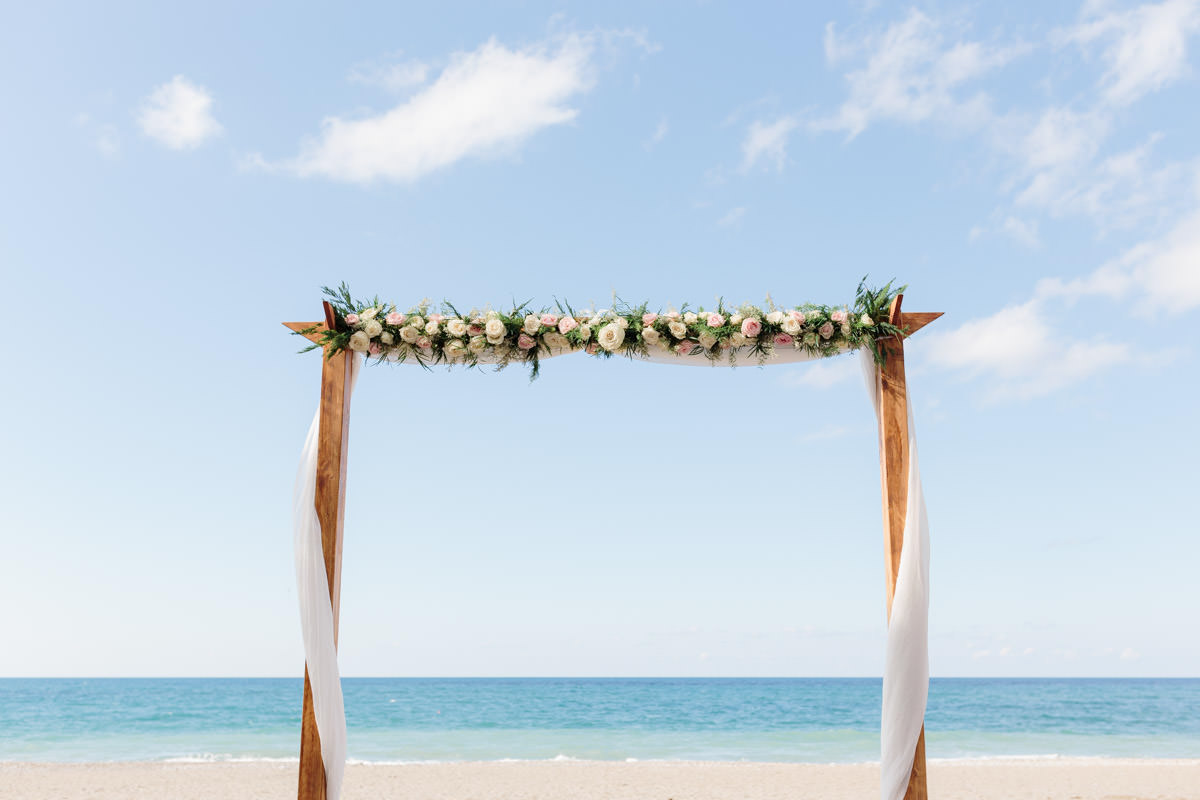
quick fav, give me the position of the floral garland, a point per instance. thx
(445, 336)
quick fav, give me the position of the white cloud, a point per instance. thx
(1025, 233)
(1020, 355)
(396, 76)
(1129, 654)
(767, 142)
(1146, 46)
(733, 217)
(1159, 274)
(824, 374)
(912, 74)
(178, 114)
(484, 103)
(660, 133)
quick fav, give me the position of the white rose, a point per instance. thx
(387, 338)
(845, 328)
(454, 348)
(611, 336)
(624, 323)
(368, 314)
(650, 336)
(372, 328)
(456, 327)
(585, 332)
(477, 345)
(690, 318)
(409, 334)
(360, 342)
(866, 320)
(678, 329)
(735, 319)
(431, 327)
(494, 328)
(532, 323)
(416, 321)
(775, 317)
(791, 325)
(737, 339)
(707, 340)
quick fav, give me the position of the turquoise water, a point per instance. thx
(402, 719)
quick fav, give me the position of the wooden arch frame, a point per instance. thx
(331, 503)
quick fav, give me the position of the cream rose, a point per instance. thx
(532, 323)
(585, 332)
(431, 327)
(611, 336)
(690, 318)
(477, 344)
(791, 325)
(678, 329)
(624, 323)
(409, 334)
(735, 319)
(456, 328)
(360, 342)
(493, 315)
(494, 328)
(416, 321)
(775, 317)
(387, 338)
(865, 319)
(454, 348)
(372, 328)
(650, 336)
(369, 313)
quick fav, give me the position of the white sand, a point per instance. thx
(1058, 779)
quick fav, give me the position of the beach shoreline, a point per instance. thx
(1068, 778)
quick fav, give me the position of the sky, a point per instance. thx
(178, 180)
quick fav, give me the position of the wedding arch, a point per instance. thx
(355, 331)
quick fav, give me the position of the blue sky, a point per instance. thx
(178, 181)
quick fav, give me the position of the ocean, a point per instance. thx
(396, 720)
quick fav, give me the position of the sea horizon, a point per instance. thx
(426, 720)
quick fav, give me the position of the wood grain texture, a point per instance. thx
(330, 505)
(893, 468)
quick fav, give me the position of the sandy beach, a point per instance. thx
(1056, 779)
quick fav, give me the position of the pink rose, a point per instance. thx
(672, 315)
(526, 342)
(782, 339)
(567, 324)
(549, 320)
(376, 349)
(437, 317)
(424, 343)
(826, 330)
(592, 348)
(715, 320)
(475, 329)
(838, 316)
(648, 319)
(751, 327)
(352, 319)
(798, 316)
(395, 318)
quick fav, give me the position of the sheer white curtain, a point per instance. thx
(316, 612)
(906, 672)
(906, 669)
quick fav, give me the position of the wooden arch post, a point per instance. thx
(331, 505)
(893, 468)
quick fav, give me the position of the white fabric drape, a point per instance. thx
(316, 612)
(906, 669)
